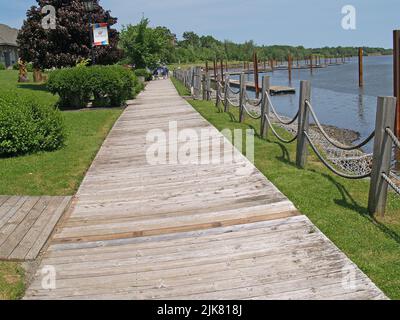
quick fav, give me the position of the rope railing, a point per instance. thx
(337, 157)
(278, 117)
(232, 103)
(391, 183)
(329, 166)
(276, 134)
(232, 91)
(332, 141)
(252, 102)
(249, 113)
(395, 140)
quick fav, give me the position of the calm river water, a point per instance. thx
(336, 97)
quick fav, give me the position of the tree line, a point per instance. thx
(194, 48)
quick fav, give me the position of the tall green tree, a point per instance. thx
(70, 40)
(147, 47)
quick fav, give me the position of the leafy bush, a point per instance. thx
(72, 85)
(2, 66)
(139, 86)
(143, 73)
(27, 127)
(109, 85)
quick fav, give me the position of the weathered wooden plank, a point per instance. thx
(33, 227)
(3, 199)
(45, 228)
(15, 238)
(7, 228)
(314, 271)
(11, 207)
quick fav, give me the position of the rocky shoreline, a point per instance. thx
(345, 136)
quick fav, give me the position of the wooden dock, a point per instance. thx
(26, 224)
(274, 90)
(187, 231)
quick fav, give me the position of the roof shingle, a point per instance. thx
(8, 35)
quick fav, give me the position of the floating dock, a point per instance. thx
(274, 90)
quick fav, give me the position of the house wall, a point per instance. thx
(13, 52)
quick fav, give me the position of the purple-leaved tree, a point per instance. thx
(69, 42)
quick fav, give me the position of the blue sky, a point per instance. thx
(312, 23)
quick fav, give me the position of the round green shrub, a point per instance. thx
(109, 85)
(28, 127)
(72, 85)
(2, 66)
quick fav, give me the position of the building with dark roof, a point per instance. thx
(8, 45)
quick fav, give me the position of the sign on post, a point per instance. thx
(100, 34)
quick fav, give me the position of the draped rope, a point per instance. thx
(333, 142)
(329, 166)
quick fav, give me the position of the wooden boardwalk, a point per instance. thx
(187, 231)
(26, 224)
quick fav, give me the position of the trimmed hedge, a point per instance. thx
(27, 127)
(2, 66)
(109, 85)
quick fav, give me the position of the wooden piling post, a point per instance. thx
(396, 82)
(222, 70)
(290, 68)
(311, 64)
(264, 107)
(218, 89)
(360, 68)
(241, 96)
(382, 155)
(303, 123)
(255, 62)
(203, 86)
(208, 87)
(226, 93)
(215, 70)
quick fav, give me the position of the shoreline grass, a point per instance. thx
(337, 206)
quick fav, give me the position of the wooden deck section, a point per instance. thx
(187, 231)
(274, 90)
(26, 224)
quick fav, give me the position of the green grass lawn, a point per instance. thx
(11, 280)
(182, 90)
(49, 173)
(335, 205)
(59, 172)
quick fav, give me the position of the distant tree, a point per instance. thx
(191, 39)
(70, 40)
(147, 47)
